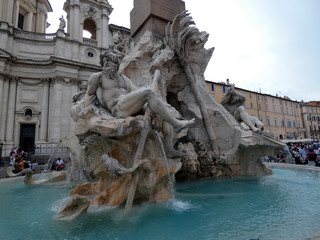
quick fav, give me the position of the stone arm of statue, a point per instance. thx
(130, 86)
(93, 84)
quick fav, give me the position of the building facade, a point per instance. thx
(40, 72)
(282, 117)
(311, 119)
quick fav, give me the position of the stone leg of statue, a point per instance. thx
(167, 131)
(246, 119)
(133, 102)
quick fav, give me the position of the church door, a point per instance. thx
(27, 134)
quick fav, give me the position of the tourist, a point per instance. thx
(311, 156)
(33, 165)
(303, 154)
(296, 155)
(12, 159)
(59, 164)
(22, 164)
(16, 166)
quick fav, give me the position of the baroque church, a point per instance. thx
(39, 72)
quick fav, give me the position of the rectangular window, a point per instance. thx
(311, 110)
(250, 95)
(287, 111)
(20, 21)
(275, 122)
(224, 88)
(259, 106)
(260, 118)
(274, 109)
(299, 125)
(212, 87)
(289, 124)
(268, 119)
(272, 100)
(258, 97)
(294, 124)
(283, 124)
(251, 105)
(267, 107)
(265, 98)
(261, 98)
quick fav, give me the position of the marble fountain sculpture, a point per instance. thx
(148, 116)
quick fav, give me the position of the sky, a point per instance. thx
(267, 46)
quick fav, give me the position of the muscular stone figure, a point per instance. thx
(119, 95)
(233, 102)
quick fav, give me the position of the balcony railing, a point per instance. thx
(34, 36)
(90, 41)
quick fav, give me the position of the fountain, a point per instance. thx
(137, 129)
(121, 124)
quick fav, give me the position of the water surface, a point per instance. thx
(284, 205)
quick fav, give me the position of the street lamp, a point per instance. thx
(311, 128)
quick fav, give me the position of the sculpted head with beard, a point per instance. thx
(110, 63)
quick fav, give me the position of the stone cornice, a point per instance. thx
(34, 83)
(65, 81)
(45, 81)
(57, 80)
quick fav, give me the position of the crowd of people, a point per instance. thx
(300, 153)
(18, 159)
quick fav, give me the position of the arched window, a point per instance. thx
(28, 113)
(89, 29)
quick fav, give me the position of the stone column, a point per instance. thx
(29, 22)
(16, 17)
(11, 110)
(75, 20)
(44, 111)
(55, 109)
(104, 42)
(4, 105)
(41, 28)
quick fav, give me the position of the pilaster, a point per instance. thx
(55, 109)
(11, 109)
(44, 110)
(4, 105)
(104, 29)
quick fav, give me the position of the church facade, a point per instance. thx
(39, 72)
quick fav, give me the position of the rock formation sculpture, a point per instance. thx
(121, 127)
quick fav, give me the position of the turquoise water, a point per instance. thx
(281, 206)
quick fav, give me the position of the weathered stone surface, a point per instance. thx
(76, 205)
(126, 156)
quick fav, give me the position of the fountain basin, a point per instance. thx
(279, 206)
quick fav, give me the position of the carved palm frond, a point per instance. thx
(182, 36)
(187, 41)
